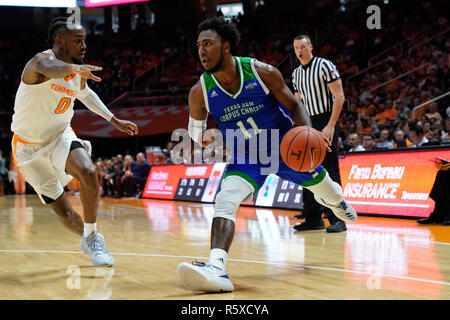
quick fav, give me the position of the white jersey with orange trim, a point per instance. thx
(41, 111)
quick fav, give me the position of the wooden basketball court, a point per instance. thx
(377, 258)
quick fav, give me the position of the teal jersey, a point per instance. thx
(243, 115)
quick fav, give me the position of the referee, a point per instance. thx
(318, 85)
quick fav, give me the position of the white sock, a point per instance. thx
(218, 257)
(89, 228)
(328, 190)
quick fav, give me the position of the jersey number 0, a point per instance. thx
(63, 104)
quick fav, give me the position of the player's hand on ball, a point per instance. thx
(125, 126)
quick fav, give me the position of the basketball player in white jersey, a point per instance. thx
(45, 148)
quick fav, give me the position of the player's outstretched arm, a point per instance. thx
(274, 81)
(45, 66)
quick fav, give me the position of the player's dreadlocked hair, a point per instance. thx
(226, 29)
(58, 24)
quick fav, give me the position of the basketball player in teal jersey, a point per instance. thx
(245, 97)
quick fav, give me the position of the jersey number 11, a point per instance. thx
(252, 123)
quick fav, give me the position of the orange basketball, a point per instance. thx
(303, 148)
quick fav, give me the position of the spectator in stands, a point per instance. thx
(368, 142)
(445, 133)
(402, 110)
(433, 136)
(351, 128)
(367, 107)
(168, 152)
(390, 124)
(371, 112)
(136, 176)
(118, 174)
(108, 179)
(402, 123)
(426, 127)
(437, 122)
(379, 118)
(100, 172)
(355, 143)
(433, 111)
(422, 120)
(400, 140)
(385, 112)
(366, 125)
(340, 145)
(128, 165)
(417, 136)
(384, 140)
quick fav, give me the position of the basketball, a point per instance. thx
(303, 148)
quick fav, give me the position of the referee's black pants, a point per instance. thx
(312, 210)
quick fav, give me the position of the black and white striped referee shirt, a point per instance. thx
(311, 81)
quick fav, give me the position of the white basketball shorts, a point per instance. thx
(43, 164)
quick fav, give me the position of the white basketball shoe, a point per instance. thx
(343, 210)
(94, 246)
(200, 276)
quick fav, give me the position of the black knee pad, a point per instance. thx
(76, 145)
(47, 199)
(50, 200)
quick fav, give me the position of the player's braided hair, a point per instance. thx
(58, 24)
(224, 27)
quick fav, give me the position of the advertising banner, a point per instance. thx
(390, 183)
(279, 193)
(179, 182)
(202, 182)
